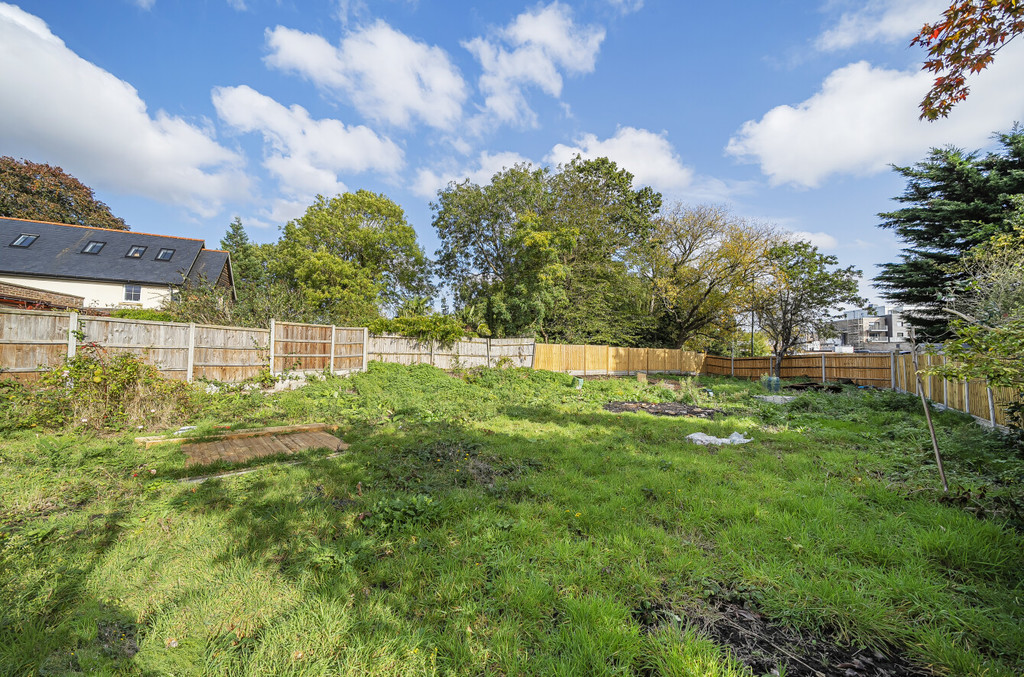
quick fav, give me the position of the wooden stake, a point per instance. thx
(928, 414)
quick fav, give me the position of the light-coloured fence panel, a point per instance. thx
(618, 361)
(464, 354)
(517, 351)
(32, 341)
(164, 345)
(595, 360)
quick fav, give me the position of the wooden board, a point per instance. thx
(240, 450)
(148, 442)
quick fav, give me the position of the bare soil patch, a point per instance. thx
(771, 649)
(662, 409)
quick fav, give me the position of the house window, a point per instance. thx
(93, 247)
(165, 255)
(24, 240)
(132, 292)
(135, 252)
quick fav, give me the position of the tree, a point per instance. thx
(797, 295)
(988, 307)
(964, 42)
(954, 201)
(546, 253)
(700, 265)
(30, 190)
(352, 256)
(609, 224)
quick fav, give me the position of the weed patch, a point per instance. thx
(503, 522)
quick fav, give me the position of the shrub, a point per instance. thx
(443, 328)
(144, 314)
(96, 390)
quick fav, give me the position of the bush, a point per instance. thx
(144, 314)
(99, 391)
(443, 328)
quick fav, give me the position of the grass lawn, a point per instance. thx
(504, 523)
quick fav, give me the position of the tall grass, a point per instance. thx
(552, 529)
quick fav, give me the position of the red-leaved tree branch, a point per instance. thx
(962, 43)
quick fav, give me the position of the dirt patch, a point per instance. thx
(769, 649)
(116, 638)
(816, 387)
(662, 409)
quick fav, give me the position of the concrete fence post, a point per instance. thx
(945, 385)
(991, 407)
(366, 346)
(272, 332)
(892, 369)
(72, 336)
(191, 364)
(334, 331)
(967, 397)
(487, 347)
(823, 367)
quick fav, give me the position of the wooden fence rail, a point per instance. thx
(33, 341)
(882, 370)
(465, 354)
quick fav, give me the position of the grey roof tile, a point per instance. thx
(57, 252)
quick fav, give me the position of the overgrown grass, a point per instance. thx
(504, 523)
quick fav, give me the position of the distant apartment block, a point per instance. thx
(875, 328)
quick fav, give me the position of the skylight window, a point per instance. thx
(165, 255)
(24, 240)
(93, 247)
(135, 252)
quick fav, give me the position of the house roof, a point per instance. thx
(57, 252)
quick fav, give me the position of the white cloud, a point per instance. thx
(820, 239)
(865, 118)
(881, 21)
(145, 4)
(647, 155)
(304, 154)
(533, 50)
(429, 181)
(383, 72)
(59, 108)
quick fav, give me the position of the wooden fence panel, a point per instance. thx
(751, 368)
(348, 349)
(1003, 396)
(595, 360)
(301, 347)
(164, 345)
(518, 351)
(547, 356)
(31, 341)
(573, 358)
(618, 361)
(873, 369)
(230, 354)
(637, 360)
(978, 399)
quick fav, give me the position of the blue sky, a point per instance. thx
(182, 115)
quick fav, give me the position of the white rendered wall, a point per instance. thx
(96, 294)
